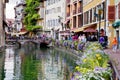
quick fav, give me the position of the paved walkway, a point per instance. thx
(115, 58)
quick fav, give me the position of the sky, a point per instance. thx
(10, 9)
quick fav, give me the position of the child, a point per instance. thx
(114, 43)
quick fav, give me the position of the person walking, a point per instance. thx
(114, 44)
(102, 41)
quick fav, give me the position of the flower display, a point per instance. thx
(94, 64)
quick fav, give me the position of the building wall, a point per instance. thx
(2, 37)
(41, 12)
(117, 4)
(19, 16)
(54, 11)
(74, 12)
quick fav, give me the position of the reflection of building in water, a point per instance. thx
(54, 68)
(1, 64)
(17, 65)
(9, 64)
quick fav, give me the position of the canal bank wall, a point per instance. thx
(2, 55)
(69, 51)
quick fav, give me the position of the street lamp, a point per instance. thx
(99, 17)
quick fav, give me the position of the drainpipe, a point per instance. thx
(105, 17)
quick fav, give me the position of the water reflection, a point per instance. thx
(9, 64)
(30, 63)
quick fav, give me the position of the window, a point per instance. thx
(103, 6)
(95, 14)
(91, 16)
(58, 9)
(86, 17)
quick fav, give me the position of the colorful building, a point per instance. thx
(93, 16)
(74, 15)
(117, 19)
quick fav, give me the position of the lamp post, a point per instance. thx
(99, 17)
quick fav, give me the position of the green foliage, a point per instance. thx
(31, 16)
(30, 68)
(31, 28)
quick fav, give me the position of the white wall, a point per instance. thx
(18, 18)
(52, 19)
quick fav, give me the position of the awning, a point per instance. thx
(78, 29)
(90, 30)
(90, 25)
(20, 33)
(93, 26)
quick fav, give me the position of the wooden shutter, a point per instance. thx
(119, 10)
(111, 12)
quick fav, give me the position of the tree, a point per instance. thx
(31, 17)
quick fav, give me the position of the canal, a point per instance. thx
(33, 63)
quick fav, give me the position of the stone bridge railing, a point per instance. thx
(38, 41)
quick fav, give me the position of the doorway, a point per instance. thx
(117, 35)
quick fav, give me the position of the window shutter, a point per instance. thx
(111, 12)
(119, 10)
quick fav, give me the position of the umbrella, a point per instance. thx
(116, 24)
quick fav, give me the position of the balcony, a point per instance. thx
(74, 12)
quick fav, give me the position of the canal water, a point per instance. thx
(32, 63)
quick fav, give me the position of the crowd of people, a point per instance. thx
(103, 40)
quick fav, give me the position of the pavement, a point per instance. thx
(115, 58)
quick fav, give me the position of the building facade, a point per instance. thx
(55, 16)
(41, 11)
(93, 15)
(74, 14)
(19, 15)
(117, 18)
(2, 19)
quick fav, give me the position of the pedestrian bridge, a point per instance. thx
(21, 42)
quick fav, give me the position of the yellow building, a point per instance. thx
(92, 16)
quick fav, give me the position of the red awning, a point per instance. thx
(90, 30)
